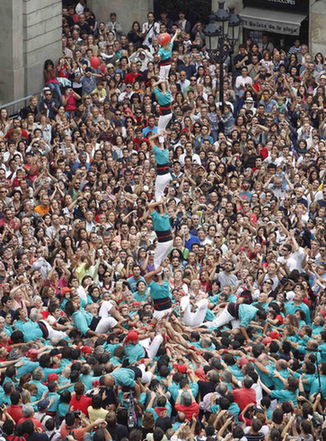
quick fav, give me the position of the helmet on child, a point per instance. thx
(164, 38)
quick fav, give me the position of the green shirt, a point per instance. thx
(163, 99)
(124, 377)
(159, 291)
(246, 314)
(160, 223)
(134, 352)
(161, 156)
(82, 320)
(284, 395)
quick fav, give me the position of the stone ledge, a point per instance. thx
(39, 29)
(35, 5)
(42, 40)
(41, 15)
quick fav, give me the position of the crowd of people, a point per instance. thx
(163, 251)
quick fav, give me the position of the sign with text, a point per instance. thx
(285, 5)
(257, 24)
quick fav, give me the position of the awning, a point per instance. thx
(266, 20)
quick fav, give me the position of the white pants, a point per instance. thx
(223, 319)
(164, 72)
(162, 250)
(159, 315)
(160, 185)
(107, 322)
(105, 309)
(162, 123)
(146, 376)
(152, 348)
(193, 318)
(52, 332)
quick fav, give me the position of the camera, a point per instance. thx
(77, 413)
(130, 404)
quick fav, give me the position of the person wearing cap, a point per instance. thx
(41, 415)
(164, 54)
(135, 350)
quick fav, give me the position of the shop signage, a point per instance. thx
(259, 24)
(285, 5)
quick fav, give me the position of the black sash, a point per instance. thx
(162, 304)
(44, 330)
(164, 236)
(233, 309)
(94, 323)
(162, 169)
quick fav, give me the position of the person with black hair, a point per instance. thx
(15, 408)
(240, 315)
(72, 426)
(96, 410)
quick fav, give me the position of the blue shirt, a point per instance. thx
(133, 283)
(189, 242)
(148, 129)
(163, 99)
(124, 377)
(246, 314)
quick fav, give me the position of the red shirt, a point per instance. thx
(244, 396)
(189, 411)
(36, 422)
(130, 77)
(137, 142)
(15, 412)
(81, 404)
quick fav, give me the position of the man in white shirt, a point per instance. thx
(286, 259)
(183, 82)
(202, 237)
(151, 29)
(188, 151)
(241, 81)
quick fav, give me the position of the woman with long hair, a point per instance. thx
(50, 73)
(135, 37)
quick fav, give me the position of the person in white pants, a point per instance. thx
(164, 101)
(163, 175)
(162, 227)
(193, 318)
(223, 319)
(107, 321)
(52, 332)
(160, 294)
(152, 347)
